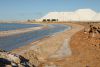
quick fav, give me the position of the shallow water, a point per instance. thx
(14, 26)
(15, 41)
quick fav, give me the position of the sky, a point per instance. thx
(34, 9)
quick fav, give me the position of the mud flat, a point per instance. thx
(55, 47)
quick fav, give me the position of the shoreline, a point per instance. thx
(20, 31)
(43, 46)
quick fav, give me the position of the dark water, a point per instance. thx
(15, 41)
(14, 26)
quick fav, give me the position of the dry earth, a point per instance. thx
(85, 51)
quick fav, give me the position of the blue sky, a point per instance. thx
(31, 9)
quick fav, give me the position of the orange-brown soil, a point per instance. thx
(86, 52)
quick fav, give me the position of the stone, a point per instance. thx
(9, 59)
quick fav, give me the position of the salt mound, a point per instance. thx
(78, 15)
(85, 14)
(97, 17)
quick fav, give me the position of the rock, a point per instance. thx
(13, 60)
(1, 50)
(8, 66)
(33, 56)
(92, 30)
(4, 62)
(14, 64)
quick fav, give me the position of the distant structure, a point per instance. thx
(78, 15)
